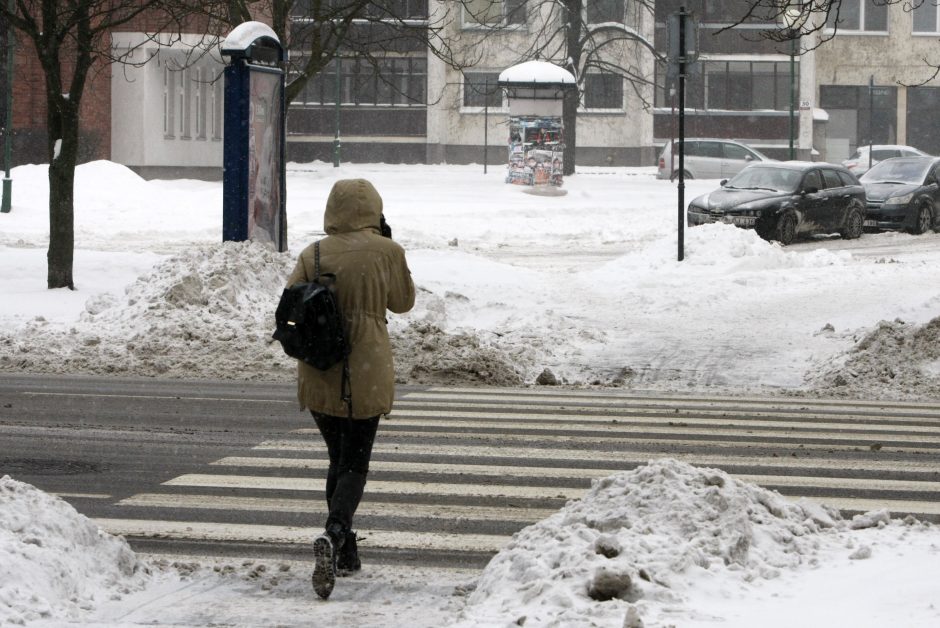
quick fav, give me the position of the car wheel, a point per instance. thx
(854, 223)
(924, 220)
(685, 175)
(785, 232)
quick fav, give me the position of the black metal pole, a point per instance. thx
(792, 89)
(871, 116)
(682, 21)
(337, 91)
(6, 204)
(486, 121)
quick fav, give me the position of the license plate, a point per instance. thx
(870, 223)
(739, 221)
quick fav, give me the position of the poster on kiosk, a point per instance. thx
(254, 173)
(536, 132)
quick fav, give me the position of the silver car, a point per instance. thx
(707, 158)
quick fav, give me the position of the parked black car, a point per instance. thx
(903, 194)
(784, 200)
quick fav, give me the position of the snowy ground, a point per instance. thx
(586, 285)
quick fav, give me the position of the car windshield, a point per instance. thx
(763, 178)
(897, 171)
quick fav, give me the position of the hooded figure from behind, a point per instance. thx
(372, 277)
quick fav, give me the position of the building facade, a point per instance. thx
(846, 86)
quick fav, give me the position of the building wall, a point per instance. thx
(894, 60)
(170, 106)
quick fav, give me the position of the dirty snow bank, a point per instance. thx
(209, 313)
(901, 360)
(646, 541)
(56, 563)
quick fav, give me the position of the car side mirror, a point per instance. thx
(749, 158)
(722, 182)
(810, 189)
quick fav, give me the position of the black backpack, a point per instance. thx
(309, 323)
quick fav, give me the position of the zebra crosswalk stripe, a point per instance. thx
(451, 462)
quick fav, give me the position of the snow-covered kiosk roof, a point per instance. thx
(536, 88)
(254, 40)
(536, 73)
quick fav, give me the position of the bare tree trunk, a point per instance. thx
(569, 118)
(573, 45)
(63, 155)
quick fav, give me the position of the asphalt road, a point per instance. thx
(234, 468)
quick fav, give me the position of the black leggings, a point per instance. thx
(349, 443)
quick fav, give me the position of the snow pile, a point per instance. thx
(642, 538)
(902, 360)
(54, 562)
(208, 312)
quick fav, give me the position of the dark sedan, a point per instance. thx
(903, 194)
(784, 200)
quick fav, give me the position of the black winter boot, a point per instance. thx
(325, 550)
(347, 559)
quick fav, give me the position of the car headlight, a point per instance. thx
(900, 200)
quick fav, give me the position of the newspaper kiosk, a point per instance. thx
(536, 133)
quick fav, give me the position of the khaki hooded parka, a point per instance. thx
(372, 276)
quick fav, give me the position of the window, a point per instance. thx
(600, 11)
(398, 81)
(603, 91)
(402, 9)
(847, 179)
(218, 107)
(168, 102)
(478, 13)
(733, 151)
(832, 179)
(480, 90)
(812, 180)
(925, 17)
(859, 15)
(733, 85)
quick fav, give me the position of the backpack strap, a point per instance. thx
(345, 393)
(316, 260)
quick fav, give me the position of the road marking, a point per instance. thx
(82, 495)
(575, 422)
(369, 507)
(555, 395)
(619, 463)
(786, 446)
(405, 406)
(388, 446)
(206, 480)
(227, 532)
(36, 393)
(203, 480)
(449, 512)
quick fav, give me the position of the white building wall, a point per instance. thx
(142, 106)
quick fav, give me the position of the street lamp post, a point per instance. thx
(337, 93)
(7, 201)
(794, 18)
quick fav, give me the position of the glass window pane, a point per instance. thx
(846, 16)
(716, 81)
(812, 180)
(733, 151)
(876, 15)
(925, 17)
(764, 86)
(832, 179)
(739, 85)
(480, 90)
(603, 91)
(599, 11)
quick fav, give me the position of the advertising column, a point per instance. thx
(254, 187)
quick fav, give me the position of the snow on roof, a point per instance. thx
(245, 34)
(536, 72)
